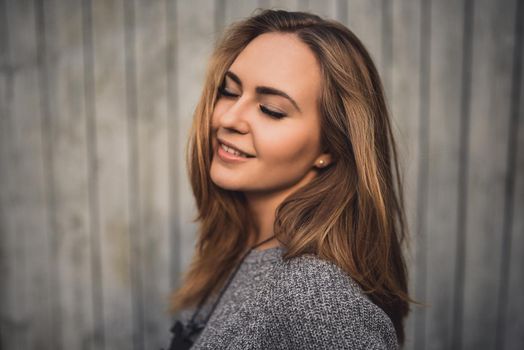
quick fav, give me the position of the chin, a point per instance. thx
(223, 181)
(224, 185)
(227, 185)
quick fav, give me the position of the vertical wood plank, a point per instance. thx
(510, 320)
(29, 202)
(53, 330)
(458, 303)
(134, 193)
(98, 338)
(174, 162)
(10, 335)
(512, 309)
(152, 169)
(67, 135)
(113, 167)
(289, 5)
(325, 9)
(493, 41)
(194, 41)
(365, 19)
(406, 107)
(446, 79)
(235, 10)
(420, 270)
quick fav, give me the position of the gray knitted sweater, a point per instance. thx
(303, 303)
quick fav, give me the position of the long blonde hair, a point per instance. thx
(352, 213)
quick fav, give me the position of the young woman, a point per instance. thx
(292, 163)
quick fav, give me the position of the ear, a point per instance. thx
(323, 160)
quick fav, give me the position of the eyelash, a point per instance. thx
(277, 115)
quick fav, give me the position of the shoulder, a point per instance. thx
(312, 273)
(319, 300)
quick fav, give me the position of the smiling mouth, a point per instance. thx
(234, 151)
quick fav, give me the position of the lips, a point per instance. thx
(229, 144)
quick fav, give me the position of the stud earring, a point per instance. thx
(321, 162)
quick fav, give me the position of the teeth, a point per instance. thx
(232, 151)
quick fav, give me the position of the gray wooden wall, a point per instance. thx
(96, 98)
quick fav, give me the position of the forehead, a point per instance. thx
(282, 61)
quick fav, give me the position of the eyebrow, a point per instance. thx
(263, 90)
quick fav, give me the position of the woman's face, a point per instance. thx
(268, 108)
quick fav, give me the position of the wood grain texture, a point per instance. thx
(289, 5)
(325, 9)
(152, 169)
(511, 308)
(113, 157)
(10, 335)
(408, 115)
(33, 324)
(445, 121)
(68, 157)
(492, 52)
(365, 18)
(173, 141)
(234, 10)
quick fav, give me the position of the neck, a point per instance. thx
(262, 208)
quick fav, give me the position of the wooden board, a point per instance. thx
(511, 308)
(446, 119)
(234, 10)
(290, 5)
(407, 97)
(491, 73)
(10, 335)
(113, 188)
(27, 205)
(174, 165)
(326, 9)
(367, 18)
(151, 169)
(70, 213)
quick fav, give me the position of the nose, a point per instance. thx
(234, 116)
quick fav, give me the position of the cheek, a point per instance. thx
(290, 145)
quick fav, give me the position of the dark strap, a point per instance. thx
(181, 339)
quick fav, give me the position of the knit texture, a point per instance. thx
(303, 303)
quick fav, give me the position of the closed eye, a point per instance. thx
(223, 91)
(272, 113)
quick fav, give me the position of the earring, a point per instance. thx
(321, 162)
